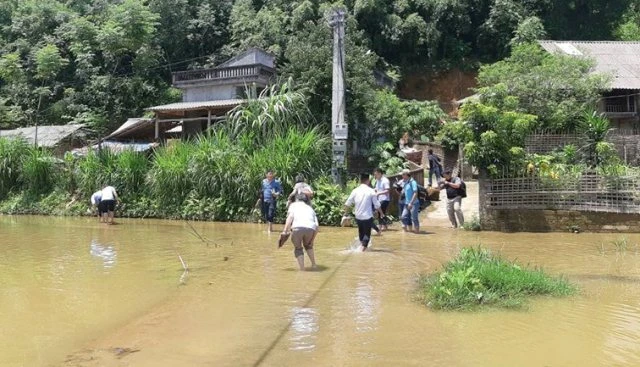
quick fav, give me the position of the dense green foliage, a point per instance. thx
(477, 278)
(555, 88)
(101, 61)
(528, 91)
(213, 177)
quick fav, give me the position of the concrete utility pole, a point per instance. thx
(339, 127)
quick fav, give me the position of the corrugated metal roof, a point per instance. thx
(48, 136)
(191, 106)
(617, 58)
(130, 126)
(115, 147)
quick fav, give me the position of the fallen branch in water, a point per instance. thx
(196, 234)
(184, 265)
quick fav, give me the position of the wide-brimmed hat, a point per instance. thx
(406, 171)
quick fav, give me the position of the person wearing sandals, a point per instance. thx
(302, 224)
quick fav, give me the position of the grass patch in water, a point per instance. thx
(476, 278)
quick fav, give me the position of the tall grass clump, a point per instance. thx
(169, 177)
(38, 172)
(130, 174)
(261, 119)
(96, 170)
(478, 278)
(12, 153)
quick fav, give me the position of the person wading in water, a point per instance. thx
(364, 200)
(455, 193)
(107, 205)
(302, 223)
(270, 192)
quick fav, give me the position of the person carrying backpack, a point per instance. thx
(412, 209)
(456, 191)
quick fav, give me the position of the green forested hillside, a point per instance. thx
(100, 61)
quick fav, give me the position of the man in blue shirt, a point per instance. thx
(412, 205)
(270, 192)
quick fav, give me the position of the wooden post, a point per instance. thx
(208, 120)
(157, 133)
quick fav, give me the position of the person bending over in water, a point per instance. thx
(364, 199)
(302, 223)
(107, 204)
(95, 202)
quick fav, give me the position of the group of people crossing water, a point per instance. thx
(366, 202)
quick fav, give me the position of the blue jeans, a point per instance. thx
(436, 171)
(405, 221)
(269, 210)
(411, 216)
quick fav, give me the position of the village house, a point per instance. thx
(208, 94)
(619, 59)
(56, 138)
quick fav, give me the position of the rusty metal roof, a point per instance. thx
(193, 106)
(617, 58)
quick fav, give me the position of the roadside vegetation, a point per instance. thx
(477, 279)
(213, 177)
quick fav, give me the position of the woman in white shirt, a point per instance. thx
(303, 225)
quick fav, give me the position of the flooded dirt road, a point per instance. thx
(75, 293)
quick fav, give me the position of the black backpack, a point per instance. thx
(423, 197)
(462, 191)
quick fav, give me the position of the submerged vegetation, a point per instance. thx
(477, 278)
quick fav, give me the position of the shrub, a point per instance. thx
(96, 170)
(453, 134)
(328, 201)
(12, 152)
(38, 172)
(478, 278)
(169, 177)
(473, 224)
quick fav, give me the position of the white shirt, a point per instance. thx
(109, 193)
(303, 215)
(383, 184)
(96, 197)
(364, 199)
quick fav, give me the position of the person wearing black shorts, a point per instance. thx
(107, 206)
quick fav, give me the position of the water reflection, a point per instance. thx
(621, 341)
(105, 252)
(366, 306)
(304, 327)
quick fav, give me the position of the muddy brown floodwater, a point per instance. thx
(75, 293)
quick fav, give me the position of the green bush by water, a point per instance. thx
(210, 178)
(12, 153)
(473, 224)
(476, 278)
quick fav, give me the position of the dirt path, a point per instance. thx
(437, 213)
